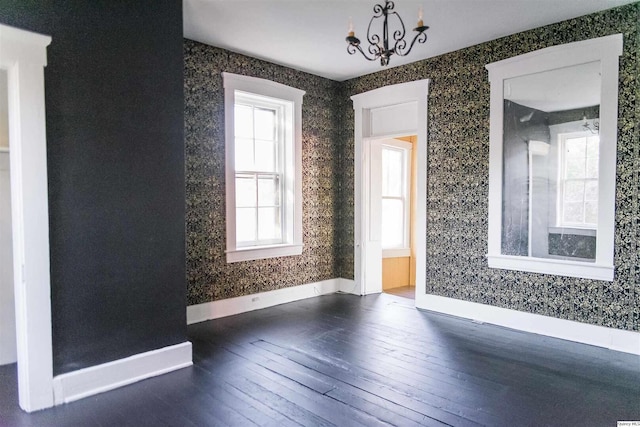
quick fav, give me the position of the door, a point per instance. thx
(372, 252)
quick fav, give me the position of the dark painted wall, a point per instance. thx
(114, 101)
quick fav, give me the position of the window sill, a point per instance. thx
(587, 270)
(262, 252)
(396, 253)
(573, 230)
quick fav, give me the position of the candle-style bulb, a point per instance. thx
(420, 16)
(350, 31)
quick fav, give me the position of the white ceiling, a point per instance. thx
(557, 90)
(309, 35)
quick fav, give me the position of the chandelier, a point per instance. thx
(380, 46)
(593, 128)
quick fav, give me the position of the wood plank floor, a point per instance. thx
(402, 291)
(362, 361)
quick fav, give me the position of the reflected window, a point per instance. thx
(578, 184)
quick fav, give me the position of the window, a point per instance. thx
(578, 183)
(263, 168)
(396, 174)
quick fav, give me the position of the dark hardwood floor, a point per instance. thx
(402, 291)
(362, 361)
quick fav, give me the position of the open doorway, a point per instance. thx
(397, 194)
(389, 112)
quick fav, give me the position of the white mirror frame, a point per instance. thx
(606, 50)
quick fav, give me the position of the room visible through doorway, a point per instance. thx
(398, 187)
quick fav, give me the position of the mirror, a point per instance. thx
(552, 159)
(550, 163)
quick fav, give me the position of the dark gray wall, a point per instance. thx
(115, 147)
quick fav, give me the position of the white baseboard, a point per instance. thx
(108, 376)
(348, 286)
(230, 306)
(614, 339)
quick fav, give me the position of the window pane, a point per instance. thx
(392, 223)
(573, 212)
(591, 212)
(592, 146)
(243, 121)
(575, 168)
(580, 192)
(591, 191)
(245, 225)
(244, 154)
(592, 167)
(269, 224)
(265, 124)
(392, 168)
(265, 156)
(574, 191)
(575, 147)
(268, 190)
(245, 191)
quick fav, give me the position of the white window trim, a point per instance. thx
(407, 148)
(396, 253)
(253, 85)
(573, 230)
(606, 50)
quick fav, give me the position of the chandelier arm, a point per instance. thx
(398, 34)
(351, 49)
(399, 47)
(378, 10)
(375, 50)
(421, 37)
(373, 39)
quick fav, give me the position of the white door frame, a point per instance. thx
(367, 257)
(24, 55)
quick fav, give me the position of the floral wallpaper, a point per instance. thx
(458, 172)
(209, 277)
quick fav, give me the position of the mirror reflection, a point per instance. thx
(550, 163)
